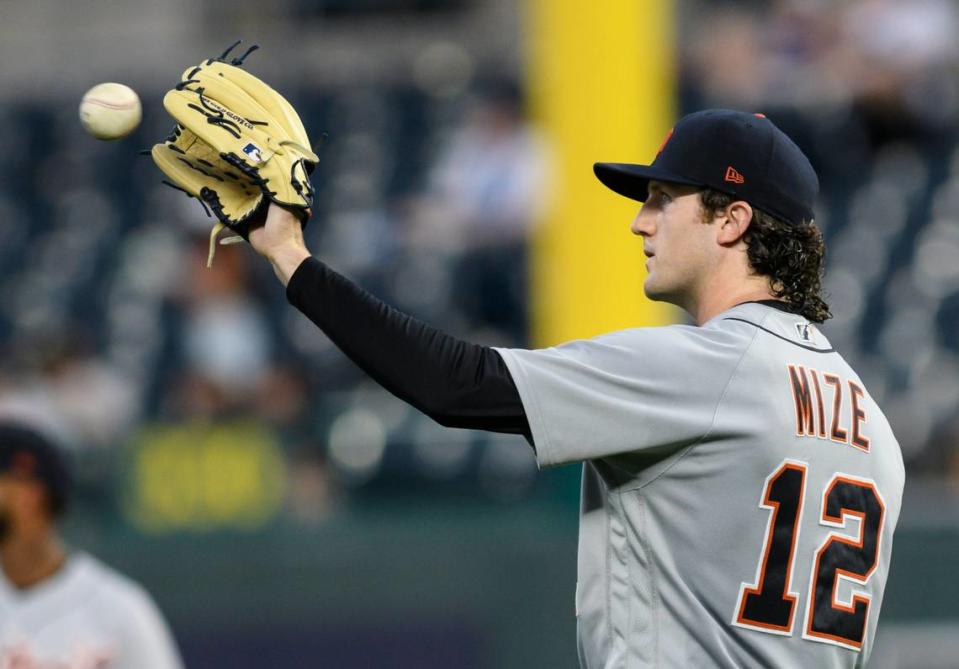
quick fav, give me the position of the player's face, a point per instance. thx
(6, 494)
(20, 500)
(676, 241)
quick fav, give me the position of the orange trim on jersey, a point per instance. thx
(802, 400)
(748, 591)
(837, 433)
(861, 579)
(858, 439)
(819, 403)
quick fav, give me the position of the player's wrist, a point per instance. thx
(286, 258)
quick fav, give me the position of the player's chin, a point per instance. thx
(659, 291)
(653, 289)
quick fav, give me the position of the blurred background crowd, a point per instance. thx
(200, 407)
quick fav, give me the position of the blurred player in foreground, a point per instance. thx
(740, 485)
(60, 608)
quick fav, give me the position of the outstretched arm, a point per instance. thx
(456, 383)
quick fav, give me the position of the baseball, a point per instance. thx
(110, 111)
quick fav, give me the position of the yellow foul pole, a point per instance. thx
(601, 80)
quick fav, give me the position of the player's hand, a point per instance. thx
(280, 240)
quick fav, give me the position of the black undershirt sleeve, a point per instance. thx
(456, 383)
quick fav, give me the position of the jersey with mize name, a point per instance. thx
(739, 497)
(86, 616)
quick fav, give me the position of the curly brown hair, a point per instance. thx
(790, 255)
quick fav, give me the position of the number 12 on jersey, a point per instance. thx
(769, 604)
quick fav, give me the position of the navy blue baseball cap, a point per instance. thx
(25, 453)
(734, 152)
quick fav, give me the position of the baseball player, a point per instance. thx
(63, 609)
(740, 485)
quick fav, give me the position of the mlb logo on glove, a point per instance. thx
(253, 152)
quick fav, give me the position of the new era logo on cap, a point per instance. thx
(732, 176)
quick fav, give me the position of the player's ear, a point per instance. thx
(734, 222)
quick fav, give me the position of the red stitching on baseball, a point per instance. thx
(111, 105)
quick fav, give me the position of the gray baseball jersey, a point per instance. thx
(86, 616)
(739, 497)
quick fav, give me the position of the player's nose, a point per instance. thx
(642, 224)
